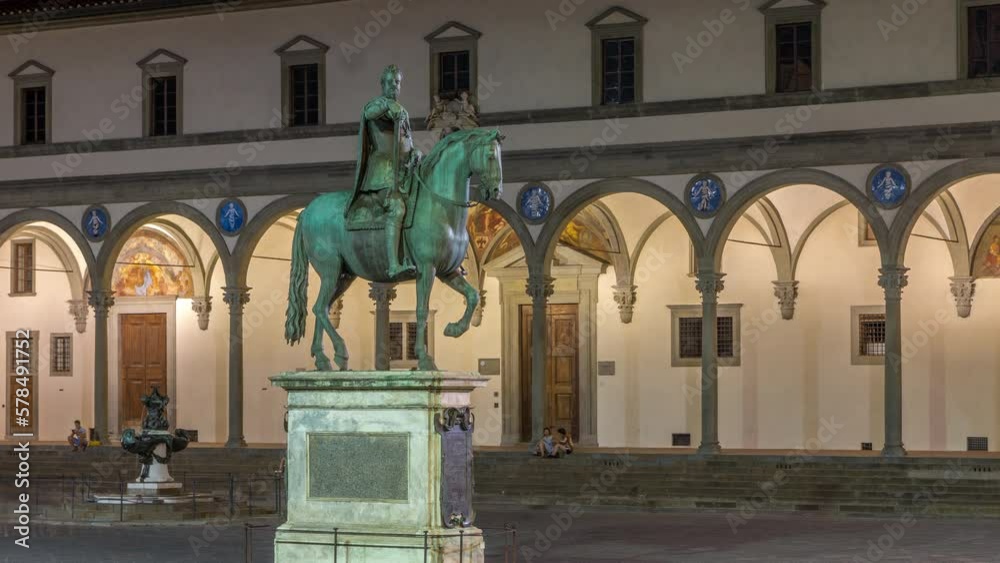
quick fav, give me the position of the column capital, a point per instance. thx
(203, 307)
(892, 279)
(787, 291)
(79, 310)
(625, 296)
(101, 301)
(540, 287)
(236, 297)
(382, 293)
(963, 289)
(709, 284)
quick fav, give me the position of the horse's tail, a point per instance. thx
(298, 285)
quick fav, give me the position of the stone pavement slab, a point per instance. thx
(554, 536)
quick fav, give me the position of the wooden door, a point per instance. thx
(143, 364)
(22, 371)
(561, 370)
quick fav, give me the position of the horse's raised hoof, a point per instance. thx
(427, 364)
(454, 330)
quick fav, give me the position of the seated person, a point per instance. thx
(546, 446)
(77, 437)
(564, 444)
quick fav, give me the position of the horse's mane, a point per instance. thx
(451, 139)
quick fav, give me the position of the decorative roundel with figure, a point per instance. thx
(888, 185)
(96, 223)
(705, 194)
(231, 216)
(534, 202)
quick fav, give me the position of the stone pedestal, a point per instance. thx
(379, 463)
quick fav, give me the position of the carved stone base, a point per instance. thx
(379, 452)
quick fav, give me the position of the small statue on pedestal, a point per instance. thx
(154, 445)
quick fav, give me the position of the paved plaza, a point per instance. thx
(589, 537)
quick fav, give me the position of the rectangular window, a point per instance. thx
(61, 355)
(984, 41)
(794, 52)
(454, 71)
(23, 268)
(690, 337)
(304, 90)
(163, 105)
(33, 113)
(403, 338)
(871, 335)
(618, 70)
(29, 358)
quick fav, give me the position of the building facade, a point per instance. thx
(742, 224)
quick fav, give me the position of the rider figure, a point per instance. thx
(386, 163)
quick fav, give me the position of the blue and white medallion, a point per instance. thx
(888, 185)
(705, 194)
(231, 216)
(96, 223)
(534, 202)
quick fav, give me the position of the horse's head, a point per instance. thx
(486, 164)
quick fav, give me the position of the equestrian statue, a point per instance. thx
(404, 220)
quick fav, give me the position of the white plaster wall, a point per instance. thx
(59, 400)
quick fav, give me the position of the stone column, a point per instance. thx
(786, 292)
(709, 284)
(382, 294)
(892, 279)
(539, 289)
(963, 289)
(236, 297)
(101, 301)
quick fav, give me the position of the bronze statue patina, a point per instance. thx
(384, 172)
(401, 204)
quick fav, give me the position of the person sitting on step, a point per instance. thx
(564, 444)
(546, 446)
(77, 437)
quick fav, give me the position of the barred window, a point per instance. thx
(403, 339)
(61, 355)
(687, 335)
(871, 334)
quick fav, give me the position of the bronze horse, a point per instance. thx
(436, 242)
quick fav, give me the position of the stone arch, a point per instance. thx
(124, 227)
(579, 199)
(12, 222)
(743, 198)
(927, 191)
(255, 229)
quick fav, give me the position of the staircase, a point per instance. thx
(743, 484)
